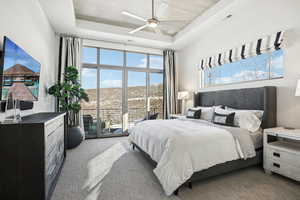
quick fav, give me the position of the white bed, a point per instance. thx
(184, 146)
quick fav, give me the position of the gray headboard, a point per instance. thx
(263, 98)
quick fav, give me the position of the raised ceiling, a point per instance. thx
(181, 12)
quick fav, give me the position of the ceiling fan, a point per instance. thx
(153, 22)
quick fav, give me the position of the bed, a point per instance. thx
(263, 98)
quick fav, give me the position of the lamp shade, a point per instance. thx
(298, 89)
(183, 95)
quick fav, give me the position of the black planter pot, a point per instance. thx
(74, 137)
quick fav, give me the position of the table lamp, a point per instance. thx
(183, 95)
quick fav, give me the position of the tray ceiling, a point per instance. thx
(109, 12)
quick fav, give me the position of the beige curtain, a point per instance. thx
(70, 55)
(170, 84)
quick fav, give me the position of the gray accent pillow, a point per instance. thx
(224, 119)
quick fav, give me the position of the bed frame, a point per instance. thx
(263, 98)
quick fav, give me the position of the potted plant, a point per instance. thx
(69, 94)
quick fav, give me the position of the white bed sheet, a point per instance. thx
(182, 147)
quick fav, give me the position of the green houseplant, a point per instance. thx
(69, 94)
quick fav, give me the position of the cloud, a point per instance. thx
(111, 83)
(277, 62)
(143, 62)
(246, 75)
(89, 73)
(156, 62)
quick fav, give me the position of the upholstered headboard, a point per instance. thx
(263, 98)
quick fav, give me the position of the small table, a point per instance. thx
(282, 152)
(176, 116)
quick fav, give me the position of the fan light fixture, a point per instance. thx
(153, 22)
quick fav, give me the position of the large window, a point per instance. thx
(111, 57)
(136, 60)
(261, 67)
(123, 87)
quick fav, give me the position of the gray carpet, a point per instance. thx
(107, 169)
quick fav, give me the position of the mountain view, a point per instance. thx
(111, 103)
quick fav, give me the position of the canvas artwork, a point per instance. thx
(21, 74)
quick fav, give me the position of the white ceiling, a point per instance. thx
(102, 20)
(109, 12)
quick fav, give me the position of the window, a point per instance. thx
(261, 67)
(156, 93)
(111, 57)
(90, 55)
(156, 62)
(276, 65)
(136, 60)
(120, 93)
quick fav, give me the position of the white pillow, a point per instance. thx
(207, 113)
(258, 113)
(243, 118)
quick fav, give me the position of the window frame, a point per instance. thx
(202, 74)
(125, 71)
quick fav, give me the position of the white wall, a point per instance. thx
(26, 24)
(251, 20)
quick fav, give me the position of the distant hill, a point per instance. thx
(111, 101)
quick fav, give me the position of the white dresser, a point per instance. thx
(282, 152)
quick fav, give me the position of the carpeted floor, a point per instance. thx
(107, 169)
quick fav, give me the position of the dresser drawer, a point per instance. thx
(283, 169)
(52, 126)
(281, 156)
(53, 139)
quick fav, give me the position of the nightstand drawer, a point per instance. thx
(281, 156)
(283, 169)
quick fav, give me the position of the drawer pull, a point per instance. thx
(276, 165)
(276, 154)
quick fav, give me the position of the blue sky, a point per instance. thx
(113, 78)
(253, 68)
(16, 55)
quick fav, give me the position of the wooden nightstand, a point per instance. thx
(282, 152)
(176, 116)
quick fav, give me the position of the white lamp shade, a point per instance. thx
(298, 89)
(183, 95)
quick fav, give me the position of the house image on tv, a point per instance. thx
(21, 83)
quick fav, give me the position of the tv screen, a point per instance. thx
(20, 73)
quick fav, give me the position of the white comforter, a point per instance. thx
(182, 147)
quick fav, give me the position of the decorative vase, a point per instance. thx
(74, 137)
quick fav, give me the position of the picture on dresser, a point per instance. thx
(19, 72)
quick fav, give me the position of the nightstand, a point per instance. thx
(176, 116)
(282, 152)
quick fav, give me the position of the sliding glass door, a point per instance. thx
(156, 94)
(89, 109)
(123, 87)
(137, 96)
(110, 102)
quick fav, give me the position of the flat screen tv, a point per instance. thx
(19, 73)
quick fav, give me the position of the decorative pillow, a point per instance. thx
(246, 119)
(194, 113)
(224, 119)
(207, 113)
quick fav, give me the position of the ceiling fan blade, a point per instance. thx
(172, 20)
(133, 16)
(138, 29)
